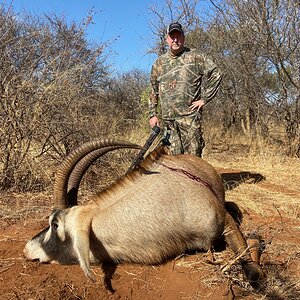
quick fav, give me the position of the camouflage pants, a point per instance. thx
(185, 135)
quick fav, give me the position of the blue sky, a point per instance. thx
(125, 20)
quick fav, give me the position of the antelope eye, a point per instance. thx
(54, 225)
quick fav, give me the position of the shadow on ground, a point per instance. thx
(233, 180)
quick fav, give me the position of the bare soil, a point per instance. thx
(270, 208)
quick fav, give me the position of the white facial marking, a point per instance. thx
(47, 235)
(34, 251)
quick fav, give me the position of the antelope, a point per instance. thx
(164, 207)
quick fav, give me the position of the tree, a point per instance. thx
(49, 75)
(261, 40)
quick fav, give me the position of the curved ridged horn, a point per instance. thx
(67, 166)
(80, 169)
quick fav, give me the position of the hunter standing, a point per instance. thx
(182, 81)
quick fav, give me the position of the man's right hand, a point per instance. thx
(153, 121)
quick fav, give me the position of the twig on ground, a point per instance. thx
(227, 266)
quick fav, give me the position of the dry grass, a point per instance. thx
(280, 187)
(19, 207)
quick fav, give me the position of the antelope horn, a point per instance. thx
(80, 169)
(63, 173)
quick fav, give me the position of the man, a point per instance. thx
(182, 81)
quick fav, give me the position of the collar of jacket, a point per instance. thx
(185, 49)
(175, 56)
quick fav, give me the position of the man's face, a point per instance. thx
(175, 40)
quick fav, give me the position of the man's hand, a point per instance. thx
(197, 104)
(153, 121)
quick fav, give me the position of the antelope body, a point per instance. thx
(166, 206)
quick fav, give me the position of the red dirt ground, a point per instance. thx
(187, 277)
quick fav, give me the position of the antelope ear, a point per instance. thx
(82, 250)
(54, 210)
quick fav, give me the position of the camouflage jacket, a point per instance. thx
(177, 81)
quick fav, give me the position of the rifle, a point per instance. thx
(140, 156)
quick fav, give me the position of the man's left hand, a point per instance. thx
(197, 104)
